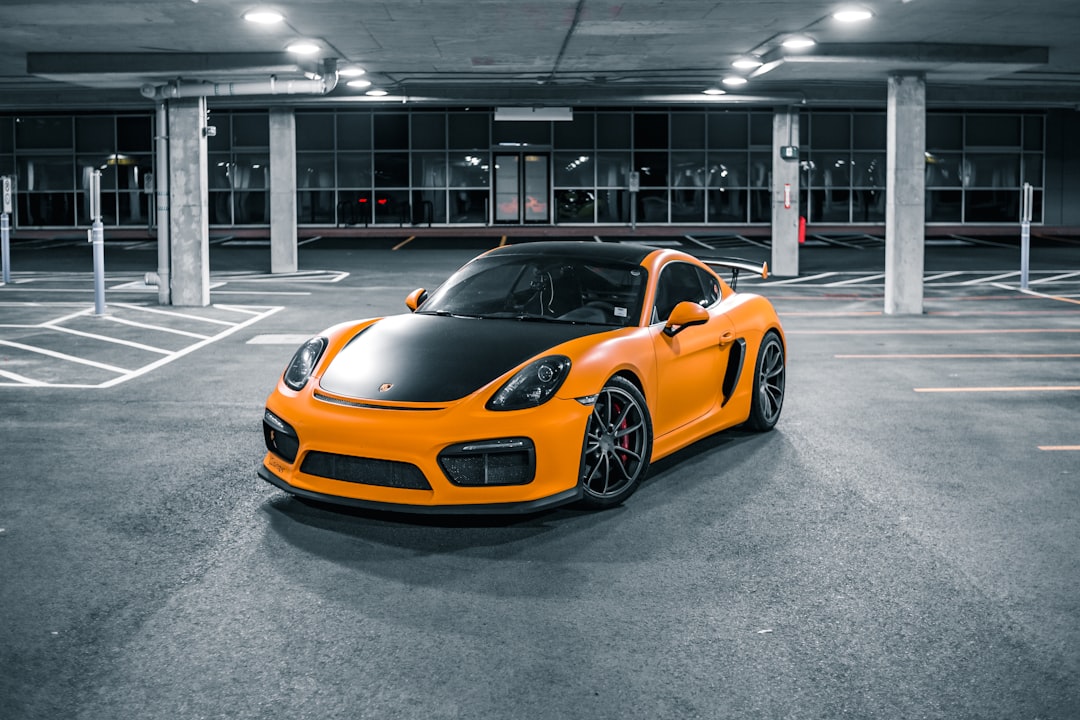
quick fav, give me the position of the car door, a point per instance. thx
(691, 363)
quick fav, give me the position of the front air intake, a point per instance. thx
(507, 461)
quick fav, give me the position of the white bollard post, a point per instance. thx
(1025, 234)
(97, 239)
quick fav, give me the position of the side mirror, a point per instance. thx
(683, 316)
(416, 298)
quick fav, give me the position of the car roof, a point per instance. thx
(585, 250)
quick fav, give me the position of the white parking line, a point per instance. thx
(171, 313)
(1055, 278)
(992, 278)
(20, 379)
(64, 356)
(106, 338)
(854, 281)
(162, 328)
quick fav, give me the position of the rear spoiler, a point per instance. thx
(737, 264)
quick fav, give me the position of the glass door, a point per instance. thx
(522, 188)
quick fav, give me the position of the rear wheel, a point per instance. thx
(618, 445)
(769, 381)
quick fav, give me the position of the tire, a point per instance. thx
(769, 382)
(618, 445)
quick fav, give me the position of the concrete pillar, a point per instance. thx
(189, 230)
(905, 195)
(785, 195)
(283, 253)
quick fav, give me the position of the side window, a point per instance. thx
(682, 281)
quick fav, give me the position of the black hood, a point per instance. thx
(429, 358)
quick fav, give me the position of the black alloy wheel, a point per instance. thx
(769, 381)
(618, 445)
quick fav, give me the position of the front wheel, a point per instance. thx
(618, 445)
(769, 381)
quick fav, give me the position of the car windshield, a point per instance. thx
(548, 288)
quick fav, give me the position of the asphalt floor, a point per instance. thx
(905, 543)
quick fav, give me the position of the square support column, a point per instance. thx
(189, 230)
(905, 195)
(785, 195)
(283, 240)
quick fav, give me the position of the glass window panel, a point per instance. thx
(392, 207)
(7, 165)
(993, 171)
(944, 205)
(613, 130)
(688, 170)
(252, 207)
(760, 206)
(429, 170)
(612, 169)
(726, 204)
(650, 130)
(314, 131)
(252, 171)
(868, 205)
(315, 170)
(43, 133)
(355, 207)
(1033, 132)
(992, 131)
(729, 130)
(727, 170)
(315, 207)
(219, 209)
(429, 206)
(687, 205)
(869, 131)
(1033, 170)
(613, 205)
(652, 206)
(391, 131)
(992, 206)
(528, 132)
(47, 208)
(574, 169)
(868, 169)
(46, 173)
(354, 169)
(429, 131)
(830, 131)
(7, 142)
(653, 167)
(944, 132)
(469, 131)
(468, 206)
(134, 133)
(391, 169)
(1037, 206)
(760, 169)
(761, 128)
(575, 206)
(470, 169)
(827, 205)
(131, 171)
(354, 131)
(86, 164)
(132, 207)
(576, 134)
(219, 170)
(944, 170)
(94, 134)
(688, 130)
(832, 169)
(222, 139)
(251, 130)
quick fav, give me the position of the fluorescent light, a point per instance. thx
(714, 91)
(746, 62)
(303, 47)
(733, 80)
(796, 42)
(351, 71)
(376, 92)
(852, 14)
(263, 17)
(359, 83)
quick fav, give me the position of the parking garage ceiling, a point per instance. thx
(68, 53)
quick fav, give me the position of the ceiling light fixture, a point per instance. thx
(359, 83)
(734, 80)
(798, 42)
(746, 62)
(263, 16)
(852, 14)
(714, 91)
(376, 92)
(351, 71)
(303, 47)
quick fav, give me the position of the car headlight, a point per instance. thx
(533, 385)
(303, 362)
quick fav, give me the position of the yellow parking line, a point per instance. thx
(404, 242)
(1067, 448)
(1022, 388)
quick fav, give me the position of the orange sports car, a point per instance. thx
(536, 375)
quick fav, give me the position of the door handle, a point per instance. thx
(727, 338)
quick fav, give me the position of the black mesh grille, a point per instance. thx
(365, 471)
(280, 438)
(498, 462)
